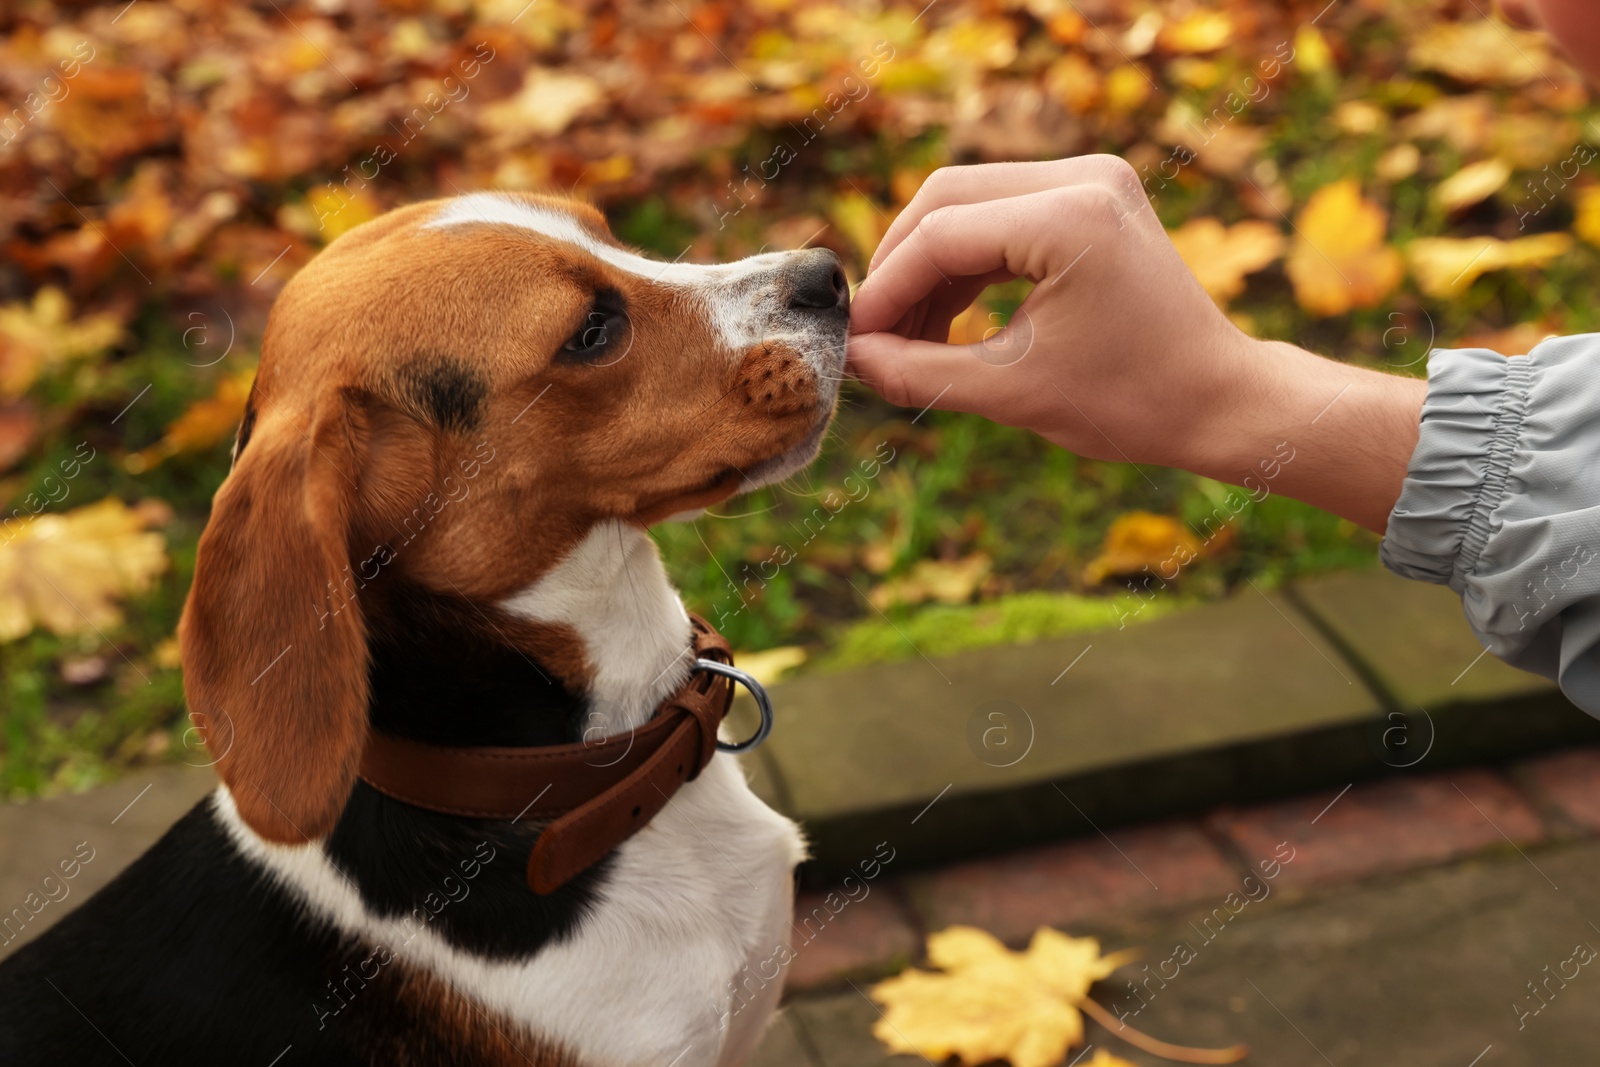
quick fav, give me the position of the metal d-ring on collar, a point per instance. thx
(757, 690)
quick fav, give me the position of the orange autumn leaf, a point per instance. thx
(1142, 539)
(1339, 260)
(203, 424)
(1220, 256)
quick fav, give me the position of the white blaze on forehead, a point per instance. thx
(558, 225)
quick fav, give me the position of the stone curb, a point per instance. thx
(1332, 681)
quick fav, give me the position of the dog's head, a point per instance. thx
(500, 369)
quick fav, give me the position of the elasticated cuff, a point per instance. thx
(1471, 426)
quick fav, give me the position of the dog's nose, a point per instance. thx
(815, 281)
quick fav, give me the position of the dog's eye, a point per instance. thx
(602, 329)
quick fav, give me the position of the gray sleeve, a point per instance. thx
(1501, 502)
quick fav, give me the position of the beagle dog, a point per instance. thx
(467, 414)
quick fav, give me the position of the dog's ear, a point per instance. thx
(274, 649)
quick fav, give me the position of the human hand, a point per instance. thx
(1117, 353)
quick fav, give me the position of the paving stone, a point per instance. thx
(1414, 635)
(985, 733)
(1148, 868)
(839, 1029)
(780, 1046)
(1570, 781)
(115, 824)
(835, 938)
(1423, 971)
(1382, 827)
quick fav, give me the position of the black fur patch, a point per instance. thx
(447, 390)
(193, 957)
(246, 426)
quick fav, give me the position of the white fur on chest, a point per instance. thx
(690, 901)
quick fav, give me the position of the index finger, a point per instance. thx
(953, 186)
(999, 236)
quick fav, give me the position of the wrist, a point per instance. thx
(1255, 389)
(1347, 431)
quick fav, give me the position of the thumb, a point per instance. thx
(923, 374)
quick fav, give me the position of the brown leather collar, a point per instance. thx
(598, 793)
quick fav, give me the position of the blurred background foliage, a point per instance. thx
(1363, 177)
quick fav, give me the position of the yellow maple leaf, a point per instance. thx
(203, 423)
(1482, 52)
(1220, 256)
(1472, 184)
(987, 1003)
(65, 571)
(1339, 259)
(991, 1003)
(1447, 266)
(1142, 539)
(38, 336)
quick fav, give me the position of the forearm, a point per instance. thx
(1350, 432)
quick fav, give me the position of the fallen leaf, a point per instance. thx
(1074, 81)
(166, 654)
(1447, 266)
(37, 337)
(1398, 163)
(65, 571)
(1466, 122)
(990, 1003)
(1127, 88)
(860, 221)
(547, 104)
(972, 44)
(771, 664)
(1360, 117)
(203, 424)
(1472, 184)
(1199, 31)
(1142, 539)
(1311, 52)
(948, 582)
(1220, 256)
(1339, 259)
(1482, 52)
(1586, 222)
